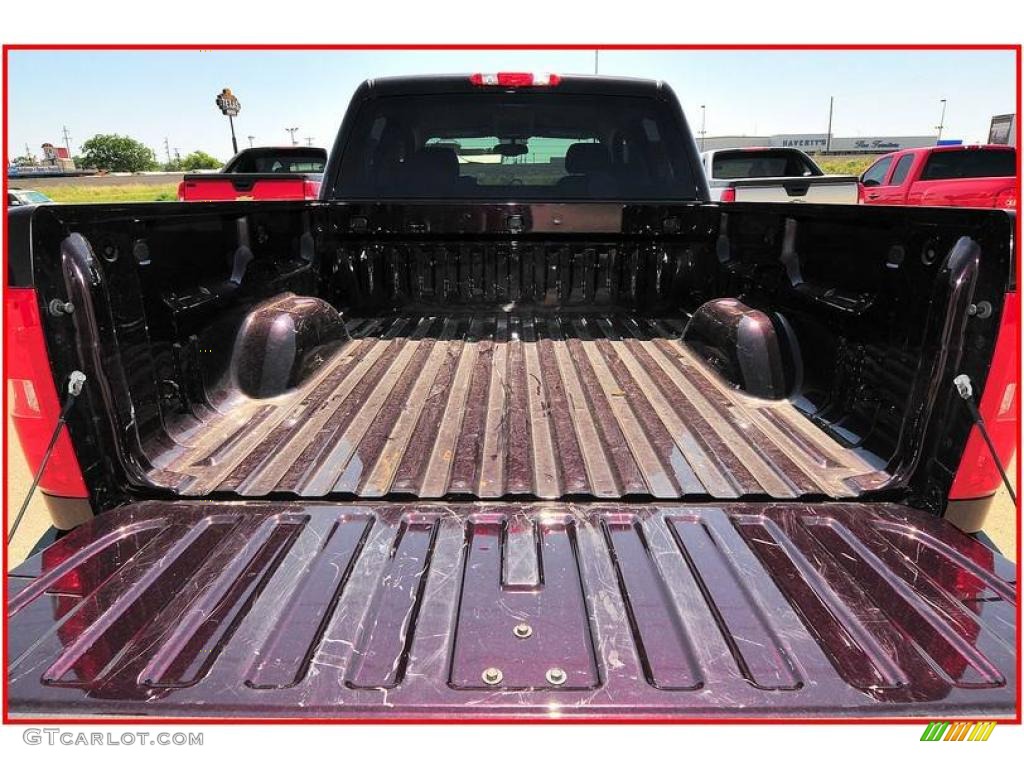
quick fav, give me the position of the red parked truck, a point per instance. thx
(260, 173)
(958, 176)
(513, 422)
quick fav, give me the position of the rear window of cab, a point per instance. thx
(970, 164)
(520, 145)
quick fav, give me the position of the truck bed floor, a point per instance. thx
(491, 405)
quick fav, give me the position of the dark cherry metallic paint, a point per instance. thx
(847, 288)
(637, 609)
(395, 610)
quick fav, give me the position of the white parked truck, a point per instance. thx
(773, 175)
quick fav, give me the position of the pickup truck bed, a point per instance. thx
(312, 609)
(560, 450)
(547, 438)
(485, 405)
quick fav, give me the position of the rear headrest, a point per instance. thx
(435, 164)
(586, 158)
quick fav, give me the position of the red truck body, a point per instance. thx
(954, 176)
(260, 173)
(219, 187)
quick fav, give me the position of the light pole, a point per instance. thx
(828, 136)
(942, 121)
(703, 124)
(292, 132)
(230, 106)
(250, 141)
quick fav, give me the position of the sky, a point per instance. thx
(153, 95)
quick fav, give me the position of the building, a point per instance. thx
(57, 157)
(56, 161)
(819, 142)
(1003, 130)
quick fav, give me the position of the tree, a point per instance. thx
(112, 152)
(199, 160)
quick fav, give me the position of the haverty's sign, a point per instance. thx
(818, 142)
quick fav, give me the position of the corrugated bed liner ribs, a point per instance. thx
(495, 405)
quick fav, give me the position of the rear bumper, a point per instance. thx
(594, 611)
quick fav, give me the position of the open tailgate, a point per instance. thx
(513, 610)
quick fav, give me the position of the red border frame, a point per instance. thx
(7, 48)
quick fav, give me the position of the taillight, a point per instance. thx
(311, 189)
(515, 79)
(728, 195)
(1006, 199)
(33, 403)
(978, 475)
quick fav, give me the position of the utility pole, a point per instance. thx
(309, 141)
(67, 141)
(703, 124)
(250, 141)
(292, 132)
(942, 121)
(167, 149)
(177, 155)
(828, 136)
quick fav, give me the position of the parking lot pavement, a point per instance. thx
(1001, 527)
(37, 518)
